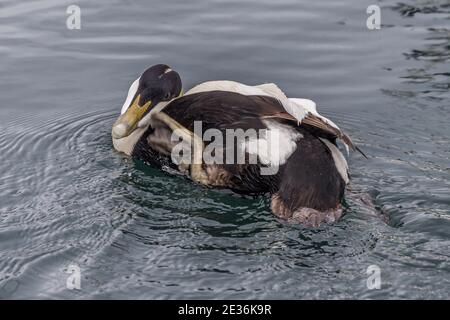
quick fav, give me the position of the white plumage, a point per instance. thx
(297, 107)
(276, 146)
(269, 152)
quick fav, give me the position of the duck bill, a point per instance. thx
(128, 121)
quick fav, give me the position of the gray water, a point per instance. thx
(67, 198)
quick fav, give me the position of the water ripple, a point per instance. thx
(67, 198)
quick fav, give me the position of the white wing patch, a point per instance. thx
(306, 104)
(131, 92)
(276, 146)
(310, 106)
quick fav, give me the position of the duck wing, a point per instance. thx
(314, 119)
(320, 122)
(301, 111)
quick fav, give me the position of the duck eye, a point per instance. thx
(167, 96)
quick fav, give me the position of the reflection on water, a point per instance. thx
(67, 198)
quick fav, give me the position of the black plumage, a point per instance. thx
(308, 179)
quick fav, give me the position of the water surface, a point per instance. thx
(66, 198)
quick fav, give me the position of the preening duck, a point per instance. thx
(279, 146)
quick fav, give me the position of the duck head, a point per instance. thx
(157, 86)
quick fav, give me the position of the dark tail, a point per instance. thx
(309, 180)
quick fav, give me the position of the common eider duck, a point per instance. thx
(279, 146)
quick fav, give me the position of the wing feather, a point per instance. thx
(298, 110)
